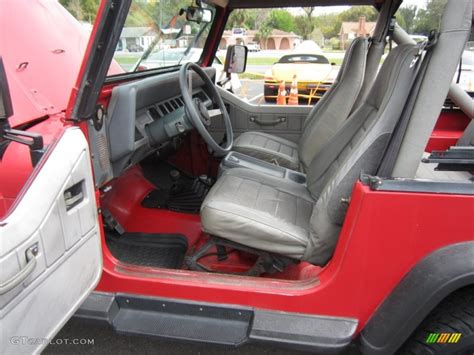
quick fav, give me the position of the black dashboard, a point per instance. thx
(145, 115)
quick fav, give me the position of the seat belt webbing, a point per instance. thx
(391, 152)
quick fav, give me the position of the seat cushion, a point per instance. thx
(269, 148)
(259, 211)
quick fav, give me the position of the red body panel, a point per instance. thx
(52, 43)
(42, 54)
(385, 234)
(449, 128)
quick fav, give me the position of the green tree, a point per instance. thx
(329, 24)
(282, 20)
(406, 17)
(263, 33)
(355, 12)
(237, 19)
(304, 24)
(83, 10)
(429, 19)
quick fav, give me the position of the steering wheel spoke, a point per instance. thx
(201, 113)
(217, 112)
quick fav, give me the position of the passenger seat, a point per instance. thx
(322, 122)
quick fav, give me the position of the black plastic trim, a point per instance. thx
(418, 185)
(420, 291)
(217, 323)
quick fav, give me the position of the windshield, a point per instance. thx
(157, 35)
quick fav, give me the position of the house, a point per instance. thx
(136, 39)
(277, 39)
(351, 30)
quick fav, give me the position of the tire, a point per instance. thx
(269, 92)
(455, 314)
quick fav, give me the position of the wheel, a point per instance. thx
(268, 93)
(454, 315)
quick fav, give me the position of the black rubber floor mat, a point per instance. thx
(184, 194)
(155, 250)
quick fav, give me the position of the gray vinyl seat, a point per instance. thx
(321, 123)
(301, 221)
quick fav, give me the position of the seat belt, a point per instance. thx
(393, 148)
(377, 45)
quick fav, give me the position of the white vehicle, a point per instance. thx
(253, 47)
(464, 75)
(169, 57)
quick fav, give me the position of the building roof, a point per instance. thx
(134, 32)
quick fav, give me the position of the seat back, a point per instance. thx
(335, 106)
(357, 147)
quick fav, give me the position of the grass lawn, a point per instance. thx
(126, 59)
(271, 60)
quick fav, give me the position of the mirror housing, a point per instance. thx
(6, 107)
(198, 14)
(236, 59)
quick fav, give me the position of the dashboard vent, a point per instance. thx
(171, 105)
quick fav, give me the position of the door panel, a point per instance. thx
(282, 121)
(53, 234)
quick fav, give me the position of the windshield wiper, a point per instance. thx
(193, 43)
(155, 41)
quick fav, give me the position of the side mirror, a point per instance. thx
(33, 140)
(236, 59)
(198, 14)
(6, 107)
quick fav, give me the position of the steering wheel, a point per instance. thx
(201, 113)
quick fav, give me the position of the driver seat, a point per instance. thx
(302, 222)
(321, 123)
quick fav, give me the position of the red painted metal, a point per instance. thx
(124, 203)
(42, 50)
(449, 128)
(384, 235)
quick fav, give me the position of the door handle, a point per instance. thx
(267, 122)
(26, 271)
(73, 196)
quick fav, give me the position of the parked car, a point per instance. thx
(464, 75)
(174, 56)
(170, 57)
(314, 74)
(134, 48)
(253, 47)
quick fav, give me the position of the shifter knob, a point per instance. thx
(175, 175)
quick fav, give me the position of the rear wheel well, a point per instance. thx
(448, 328)
(432, 280)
